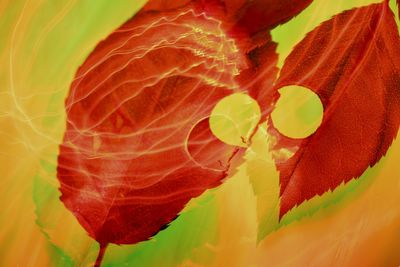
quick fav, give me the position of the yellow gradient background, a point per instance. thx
(42, 43)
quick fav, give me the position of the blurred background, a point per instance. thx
(42, 43)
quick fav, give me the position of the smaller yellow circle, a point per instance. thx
(234, 118)
(298, 112)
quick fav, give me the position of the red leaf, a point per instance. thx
(138, 145)
(252, 15)
(260, 15)
(353, 63)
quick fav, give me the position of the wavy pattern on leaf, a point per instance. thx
(124, 164)
(138, 146)
(252, 15)
(352, 63)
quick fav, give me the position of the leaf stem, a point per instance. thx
(100, 256)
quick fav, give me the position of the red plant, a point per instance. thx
(138, 145)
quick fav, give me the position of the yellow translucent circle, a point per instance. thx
(298, 112)
(234, 118)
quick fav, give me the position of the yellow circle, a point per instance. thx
(298, 112)
(234, 118)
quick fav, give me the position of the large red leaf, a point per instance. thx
(353, 63)
(138, 145)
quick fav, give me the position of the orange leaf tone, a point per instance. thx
(138, 145)
(353, 63)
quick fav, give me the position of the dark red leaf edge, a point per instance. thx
(253, 16)
(259, 15)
